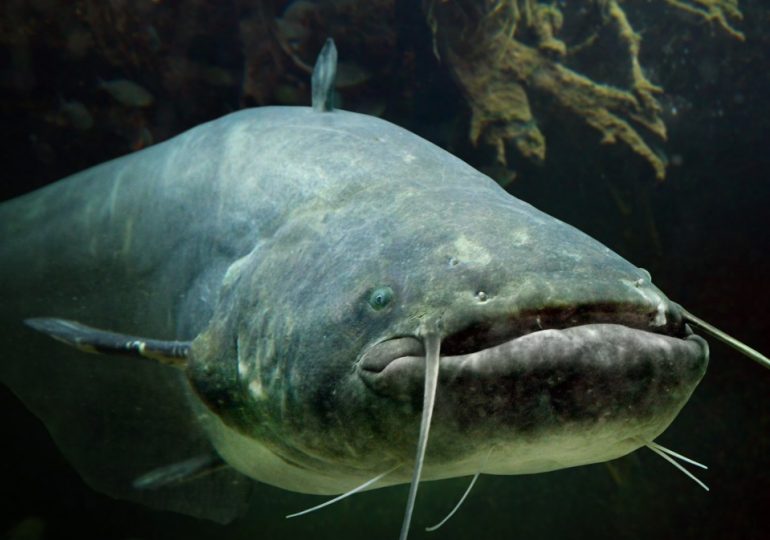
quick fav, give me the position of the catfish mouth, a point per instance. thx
(484, 335)
(608, 347)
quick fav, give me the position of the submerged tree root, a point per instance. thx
(506, 53)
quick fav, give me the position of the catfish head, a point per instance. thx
(554, 351)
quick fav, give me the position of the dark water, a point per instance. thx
(702, 233)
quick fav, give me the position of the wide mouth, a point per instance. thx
(602, 346)
(548, 390)
(480, 335)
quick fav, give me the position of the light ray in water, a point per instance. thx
(344, 495)
(664, 453)
(715, 332)
(457, 506)
(432, 349)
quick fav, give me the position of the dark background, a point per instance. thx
(702, 233)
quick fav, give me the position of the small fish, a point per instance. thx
(153, 38)
(75, 114)
(127, 93)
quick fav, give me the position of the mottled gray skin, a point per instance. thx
(264, 234)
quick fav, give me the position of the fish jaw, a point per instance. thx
(549, 399)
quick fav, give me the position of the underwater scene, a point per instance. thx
(295, 303)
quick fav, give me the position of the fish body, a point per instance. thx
(128, 93)
(76, 114)
(302, 252)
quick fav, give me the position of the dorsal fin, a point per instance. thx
(324, 73)
(93, 340)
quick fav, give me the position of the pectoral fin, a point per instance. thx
(116, 418)
(93, 340)
(183, 471)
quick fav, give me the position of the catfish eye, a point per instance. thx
(380, 298)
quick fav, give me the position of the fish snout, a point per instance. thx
(601, 389)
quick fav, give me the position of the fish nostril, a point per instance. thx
(481, 296)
